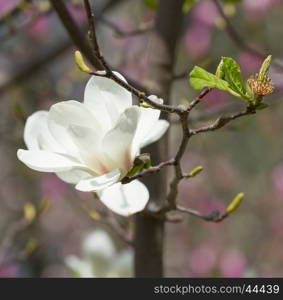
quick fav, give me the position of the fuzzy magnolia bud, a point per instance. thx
(261, 84)
(261, 87)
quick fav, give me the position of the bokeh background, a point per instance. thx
(48, 229)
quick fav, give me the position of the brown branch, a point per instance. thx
(238, 40)
(141, 29)
(222, 121)
(173, 192)
(215, 216)
(204, 116)
(149, 171)
(17, 10)
(74, 32)
(111, 75)
(38, 63)
(196, 101)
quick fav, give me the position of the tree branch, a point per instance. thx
(222, 121)
(149, 171)
(74, 32)
(214, 216)
(141, 29)
(111, 75)
(238, 40)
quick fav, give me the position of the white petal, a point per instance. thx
(37, 135)
(125, 199)
(88, 143)
(45, 161)
(117, 143)
(146, 124)
(104, 90)
(72, 112)
(99, 182)
(123, 265)
(64, 114)
(81, 268)
(156, 133)
(98, 244)
(73, 176)
(156, 99)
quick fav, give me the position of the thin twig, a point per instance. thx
(111, 75)
(173, 192)
(149, 171)
(141, 29)
(195, 102)
(238, 40)
(214, 216)
(74, 32)
(222, 121)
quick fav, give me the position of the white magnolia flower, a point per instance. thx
(100, 258)
(93, 144)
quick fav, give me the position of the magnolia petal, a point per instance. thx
(88, 143)
(125, 199)
(117, 142)
(156, 133)
(37, 135)
(45, 161)
(99, 182)
(98, 244)
(79, 267)
(64, 114)
(146, 124)
(122, 265)
(73, 112)
(155, 99)
(73, 176)
(104, 90)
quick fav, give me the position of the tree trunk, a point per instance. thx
(149, 231)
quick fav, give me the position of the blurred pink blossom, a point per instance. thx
(9, 271)
(126, 25)
(233, 264)
(205, 13)
(7, 6)
(53, 188)
(202, 260)
(215, 99)
(135, 71)
(258, 8)
(40, 28)
(249, 63)
(197, 40)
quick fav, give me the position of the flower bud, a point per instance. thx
(261, 87)
(80, 62)
(235, 203)
(261, 84)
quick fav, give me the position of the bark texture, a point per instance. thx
(149, 231)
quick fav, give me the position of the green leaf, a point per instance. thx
(199, 78)
(232, 74)
(151, 4)
(188, 4)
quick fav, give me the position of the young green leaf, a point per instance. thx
(232, 74)
(200, 78)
